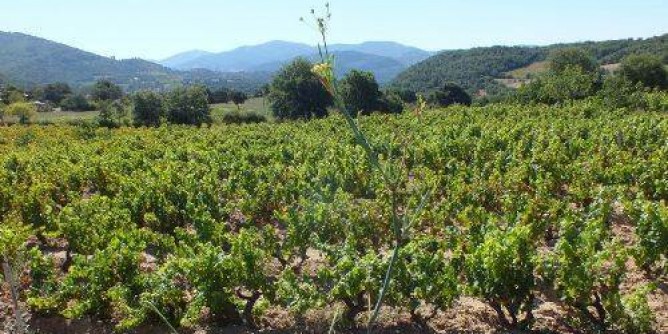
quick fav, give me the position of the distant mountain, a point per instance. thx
(29, 61)
(384, 59)
(246, 58)
(177, 61)
(384, 68)
(407, 55)
(477, 69)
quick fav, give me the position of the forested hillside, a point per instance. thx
(476, 69)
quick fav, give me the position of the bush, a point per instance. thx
(391, 103)
(188, 106)
(54, 93)
(219, 96)
(500, 270)
(239, 117)
(296, 92)
(406, 95)
(618, 92)
(647, 70)
(76, 102)
(652, 231)
(572, 83)
(147, 109)
(112, 114)
(448, 95)
(656, 101)
(588, 266)
(25, 111)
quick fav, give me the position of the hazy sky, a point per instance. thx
(155, 29)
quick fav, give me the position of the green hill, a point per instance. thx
(477, 69)
(29, 61)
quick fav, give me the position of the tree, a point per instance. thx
(76, 102)
(147, 109)
(105, 90)
(573, 83)
(111, 113)
(448, 95)
(618, 92)
(263, 91)
(296, 92)
(188, 106)
(23, 110)
(561, 59)
(391, 102)
(359, 91)
(645, 69)
(54, 93)
(221, 95)
(238, 98)
(14, 96)
(406, 95)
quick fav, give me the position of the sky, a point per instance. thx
(156, 29)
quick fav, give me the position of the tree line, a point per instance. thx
(297, 93)
(574, 74)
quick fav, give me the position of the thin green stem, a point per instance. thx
(164, 319)
(383, 290)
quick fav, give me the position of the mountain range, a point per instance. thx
(385, 59)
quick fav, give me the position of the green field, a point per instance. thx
(529, 211)
(258, 105)
(529, 71)
(65, 116)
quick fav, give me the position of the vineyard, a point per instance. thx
(543, 218)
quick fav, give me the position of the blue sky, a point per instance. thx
(155, 29)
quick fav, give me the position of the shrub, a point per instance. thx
(76, 102)
(54, 93)
(25, 111)
(557, 88)
(618, 92)
(652, 231)
(588, 266)
(406, 95)
(391, 103)
(245, 117)
(647, 70)
(501, 271)
(112, 114)
(448, 95)
(221, 95)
